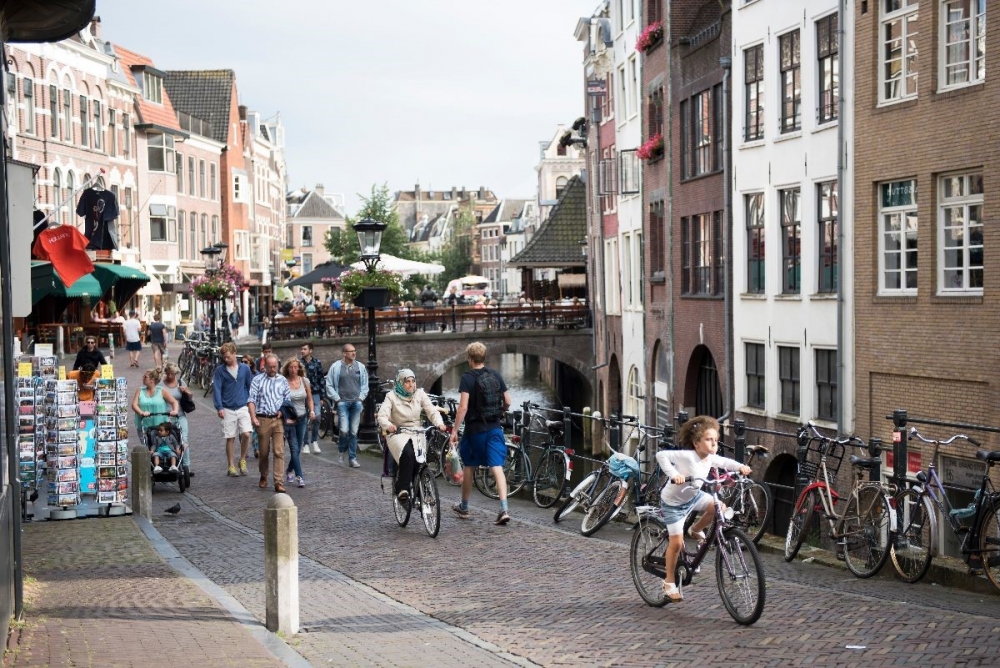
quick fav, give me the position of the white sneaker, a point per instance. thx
(340, 458)
(290, 477)
(355, 464)
(157, 469)
(316, 448)
(301, 481)
(173, 469)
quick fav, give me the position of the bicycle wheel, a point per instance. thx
(401, 510)
(649, 542)
(517, 469)
(911, 550)
(549, 479)
(989, 543)
(752, 508)
(485, 482)
(799, 524)
(740, 577)
(867, 533)
(436, 442)
(430, 506)
(326, 420)
(575, 498)
(603, 507)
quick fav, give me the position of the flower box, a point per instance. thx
(651, 36)
(372, 297)
(652, 150)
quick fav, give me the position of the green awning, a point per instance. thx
(108, 274)
(45, 282)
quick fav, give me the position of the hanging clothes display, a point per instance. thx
(65, 248)
(99, 208)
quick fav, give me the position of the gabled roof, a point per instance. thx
(204, 94)
(315, 206)
(506, 211)
(557, 241)
(150, 113)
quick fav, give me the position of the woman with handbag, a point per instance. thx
(178, 389)
(298, 412)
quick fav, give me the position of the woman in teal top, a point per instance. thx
(150, 400)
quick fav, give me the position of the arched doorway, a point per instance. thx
(703, 389)
(780, 475)
(614, 387)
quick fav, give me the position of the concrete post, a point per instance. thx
(281, 564)
(142, 483)
(588, 431)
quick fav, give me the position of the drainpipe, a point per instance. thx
(727, 280)
(841, 171)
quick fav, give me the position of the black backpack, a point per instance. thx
(489, 395)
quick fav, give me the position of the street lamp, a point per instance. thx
(503, 276)
(370, 238)
(223, 250)
(211, 266)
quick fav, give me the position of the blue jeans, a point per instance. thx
(348, 421)
(294, 436)
(312, 432)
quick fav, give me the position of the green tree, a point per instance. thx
(343, 245)
(456, 256)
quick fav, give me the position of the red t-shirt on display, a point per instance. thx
(64, 246)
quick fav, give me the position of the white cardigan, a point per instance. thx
(402, 412)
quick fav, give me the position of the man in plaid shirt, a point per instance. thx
(317, 383)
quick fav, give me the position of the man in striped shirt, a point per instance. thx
(268, 392)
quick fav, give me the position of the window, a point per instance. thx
(67, 199)
(241, 239)
(898, 237)
(654, 115)
(161, 223)
(84, 124)
(215, 230)
(701, 247)
(963, 42)
(827, 47)
(181, 226)
(633, 68)
(152, 87)
(560, 186)
(180, 174)
(307, 263)
(160, 151)
(607, 178)
(960, 233)
(791, 82)
(213, 187)
(827, 218)
(636, 396)
(788, 374)
(202, 179)
(657, 250)
(204, 230)
(756, 375)
(791, 241)
(126, 137)
(57, 194)
(753, 206)
(193, 238)
(127, 211)
(28, 88)
(98, 127)
(898, 71)
(826, 384)
(628, 172)
(653, 11)
(623, 101)
(53, 111)
(612, 277)
(112, 134)
(753, 75)
(701, 145)
(307, 235)
(191, 176)
(608, 101)
(239, 188)
(67, 133)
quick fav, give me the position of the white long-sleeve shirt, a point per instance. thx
(688, 463)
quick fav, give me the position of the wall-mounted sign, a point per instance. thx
(597, 86)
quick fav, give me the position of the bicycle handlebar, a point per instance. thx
(914, 432)
(854, 440)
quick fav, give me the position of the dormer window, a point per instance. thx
(152, 87)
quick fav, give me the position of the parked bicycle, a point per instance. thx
(739, 573)
(750, 500)
(865, 529)
(977, 526)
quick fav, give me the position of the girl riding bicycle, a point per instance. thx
(699, 437)
(399, 417)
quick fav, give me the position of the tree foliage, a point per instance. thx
(456, 256)
(343, 245)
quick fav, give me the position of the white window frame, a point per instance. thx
(612, 278)
(964, 203)
(907, 16)
(883, 214)
(634, 393)
(973, 63)
(302, 236)
(623, 96)
(633, 71)
(242, 239)
(307, 266)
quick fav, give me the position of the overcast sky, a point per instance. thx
(441, 92)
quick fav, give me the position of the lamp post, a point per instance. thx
(211, 266)
(223, 249)
(503, 276)
(370, 238)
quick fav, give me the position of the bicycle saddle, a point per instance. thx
(754, 449)
(867, 462)
(554, 425)
(988, 456)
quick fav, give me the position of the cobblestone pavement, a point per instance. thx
(538, 591)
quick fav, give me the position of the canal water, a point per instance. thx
(520, 372)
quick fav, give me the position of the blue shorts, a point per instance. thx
(133, 346)
(487, 448)
(165, 454)
(674, 516)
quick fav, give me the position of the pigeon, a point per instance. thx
(34, 496)
(174, 509)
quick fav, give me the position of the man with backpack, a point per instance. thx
(483, 401)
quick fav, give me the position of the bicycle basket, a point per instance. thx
(622, 466)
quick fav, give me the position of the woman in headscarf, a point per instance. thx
(401, 411)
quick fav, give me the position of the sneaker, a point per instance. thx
(502, 518)
(340, 458)
(355, 464)
(157, 469)
(243, 467)
(301, 481)
(232, 473)
(316, 448)
(290, 477)
(173, 469)
(461, 512)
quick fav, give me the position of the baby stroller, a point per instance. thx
(182, 476)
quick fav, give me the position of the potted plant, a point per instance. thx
(652, 149)
(376, 288)
(224, 282)
(650, 37)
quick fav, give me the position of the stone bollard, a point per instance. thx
(142, 483)
(597, 440)
(281, 564)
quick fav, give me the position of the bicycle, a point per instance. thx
(326, 415)
(423, 495)
(865, 529)
(751, 501)
(739, 573)
(916, 544)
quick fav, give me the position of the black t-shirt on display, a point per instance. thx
(99, 209)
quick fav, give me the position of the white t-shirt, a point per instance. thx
(131, 327)
(688, 463)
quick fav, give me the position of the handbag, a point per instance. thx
(187, 402)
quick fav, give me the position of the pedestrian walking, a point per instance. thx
(230, 394)
(483, 399)
(347, 387)
(317, 385)
(133, 342)
(175, 385)
(269, 392)
(158, 340)
(297, 421)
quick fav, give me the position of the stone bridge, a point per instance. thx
(431, 354)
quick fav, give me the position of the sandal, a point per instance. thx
(673, 594)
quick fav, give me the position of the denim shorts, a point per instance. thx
(674, 516)
(487, 448)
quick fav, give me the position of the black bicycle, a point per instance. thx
(423, 491)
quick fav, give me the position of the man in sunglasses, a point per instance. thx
(89, 354)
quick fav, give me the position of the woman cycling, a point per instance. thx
(401, 411)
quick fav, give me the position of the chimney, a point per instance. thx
(454, 192)
(243, 112)
(319, 189)
(95, 27)
(464, 195)
(416, 191)
(482, 193)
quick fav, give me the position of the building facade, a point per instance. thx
(312, 216)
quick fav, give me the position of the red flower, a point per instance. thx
(650, 36)
(653, 148)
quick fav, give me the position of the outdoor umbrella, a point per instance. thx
(326, 270)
